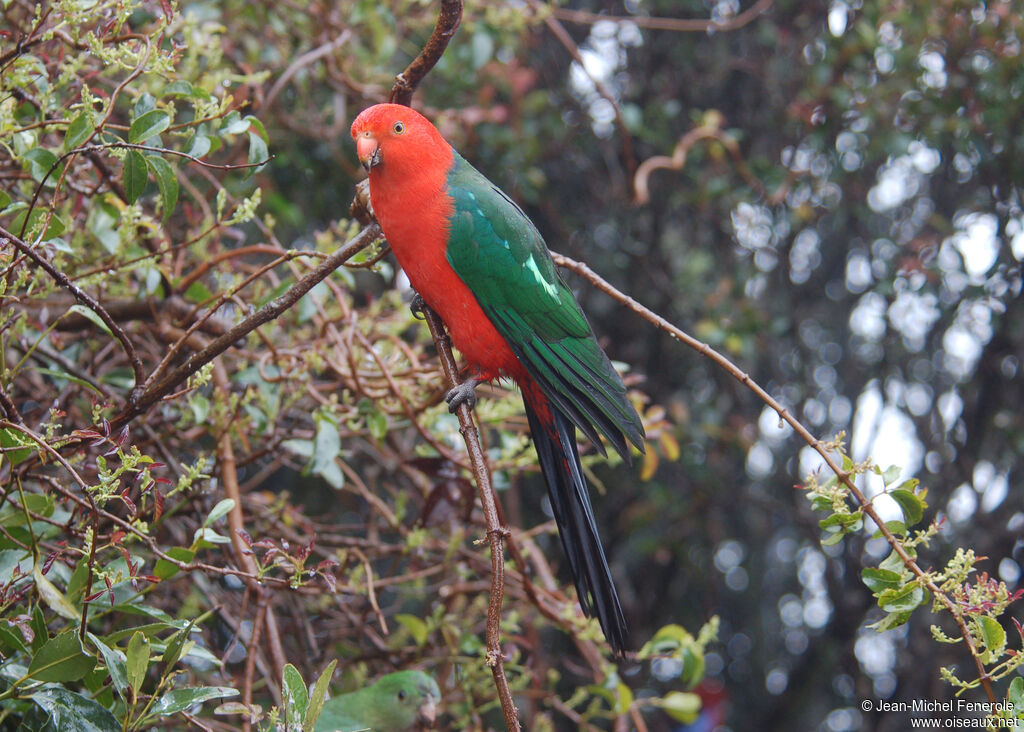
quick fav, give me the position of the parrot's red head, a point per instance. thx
(394, 140)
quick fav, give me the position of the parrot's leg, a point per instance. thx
(416, 305)
(464, 393)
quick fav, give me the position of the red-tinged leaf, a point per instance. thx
(93, 596)
(149, 578)
(331, 582)
(86, 434)
(98, 441)
(110, 590)
(106, 427)
(127, 557)
(48, 562)
(165, 5)
(155, 465)
(123, 437)
(163, 480)
(111, 451)
(244, 536)
(129, 502)
(1020, 628)
(116, 537)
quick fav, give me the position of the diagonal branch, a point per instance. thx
(817, 445)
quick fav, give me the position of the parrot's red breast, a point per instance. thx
(412, 204)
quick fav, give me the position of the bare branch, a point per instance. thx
(447, 23)
(670, 24)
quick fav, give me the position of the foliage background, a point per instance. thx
(847, 228)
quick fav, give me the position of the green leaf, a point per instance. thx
(258, 154)
(198, 145)
(54, 226)
(296, 694)
(53, 597)
(40, 162)
(895, 527)
(693, 665)
(178, 89)
(71, 712)
(114, 659)
(175, 646)
(319, 696)
(148, 125)
(415, 625)
(10, 437)
(137, 661)
(1015, 694)
(136, 175)
(993, 635)
(166, 182)
(222, 509)
(90, 315)
(80, 130)
(61, 659)
(903, 599)
(911, 505)
(880, 580)
(681, 706)
(164, 569)
(178, 700)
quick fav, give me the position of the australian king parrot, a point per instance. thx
(477, 260)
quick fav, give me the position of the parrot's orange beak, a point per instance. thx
(428, 713)
(368, 150)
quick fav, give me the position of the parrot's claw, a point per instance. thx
(464, 393)
(417, 305)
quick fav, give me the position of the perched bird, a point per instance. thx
(477, 260)
(400, 702)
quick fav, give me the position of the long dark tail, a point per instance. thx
(554, 436)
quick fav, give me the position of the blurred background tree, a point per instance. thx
(842, 219)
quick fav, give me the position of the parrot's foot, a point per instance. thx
(417, 305)
(464, 393)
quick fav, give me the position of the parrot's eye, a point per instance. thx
(401, 692)
(399, 128)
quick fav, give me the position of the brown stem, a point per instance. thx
(495, 531)
(236, 523)
(447, 23)
(784, 414)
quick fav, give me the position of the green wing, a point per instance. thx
(496, 250)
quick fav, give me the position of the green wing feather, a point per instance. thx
(496, 250)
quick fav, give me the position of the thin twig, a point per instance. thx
(82, 296)
(559, 32)
(670, 24)
(140, 401)
(495, 531)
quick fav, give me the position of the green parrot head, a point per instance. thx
(405, 701)
(413, 694)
